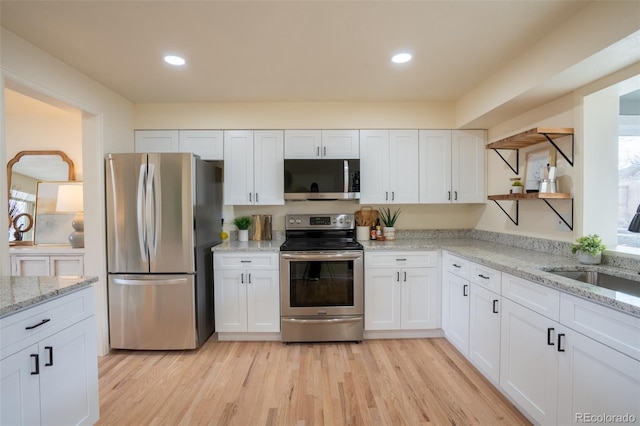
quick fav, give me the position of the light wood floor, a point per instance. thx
(377, 382)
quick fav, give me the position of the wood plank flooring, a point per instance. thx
(377, 382)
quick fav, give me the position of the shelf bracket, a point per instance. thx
(570, 161)
(515, 222)
(570, 226)
(507, 163)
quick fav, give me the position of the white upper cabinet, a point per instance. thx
(157, 140)
(452, 166)
(254, 167)
(321, 144)
(389, 166)
(208, 144)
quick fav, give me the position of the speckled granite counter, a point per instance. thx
(529, 264)
(18, 293)
(265, 245)
(501, 251)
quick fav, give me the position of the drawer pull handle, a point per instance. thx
(241, 278)
(549, 338)
(398, 276)
(405, 276)
(456, 265)
(37, 364)
(483, 277)
(245, 261)
(465, 289)
(560, 348)
(44, 321)
(249, 275)
(50, 350)
(401, 260)
(495, 306)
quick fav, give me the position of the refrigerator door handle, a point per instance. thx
(131, 281)
(151, 213)
(141, 214)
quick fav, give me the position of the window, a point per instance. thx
(629, 169)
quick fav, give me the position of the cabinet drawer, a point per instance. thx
(246, 260)
(486, 277)
(541, 299)
(456, 265)
(612, 328)
(27, 327)
(402, 259)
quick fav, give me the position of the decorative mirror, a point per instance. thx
(24, 171)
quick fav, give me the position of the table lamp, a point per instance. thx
(70, 201)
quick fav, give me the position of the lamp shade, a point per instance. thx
(634, 225)
(70, 198)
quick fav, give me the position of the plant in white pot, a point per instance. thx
(589, 249)
(242, 223)
(389, 219)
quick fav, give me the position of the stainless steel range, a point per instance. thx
(321, 279)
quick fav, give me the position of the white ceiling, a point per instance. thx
(287, 50)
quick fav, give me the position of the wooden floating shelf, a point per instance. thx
(531, 137)
(531, 196)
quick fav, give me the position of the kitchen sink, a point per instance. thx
(601, 279)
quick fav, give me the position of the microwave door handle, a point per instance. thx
(141, 213)
(346, 176)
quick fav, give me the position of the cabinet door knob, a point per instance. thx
(36, 357)
(49, 349)
(549, 337)
(560, 336)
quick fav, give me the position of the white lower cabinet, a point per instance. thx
(246, 292)
(484, 331)
(561, 359)
(46, 264)
(53, 380)
(529, 361)
(401, 291)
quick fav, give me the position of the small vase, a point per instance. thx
(389, 233)
(243, 235)
(516, 190)
(589, 259)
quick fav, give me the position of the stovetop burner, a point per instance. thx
(320, 233)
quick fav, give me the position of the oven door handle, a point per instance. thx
(323, 256)
(322, 320)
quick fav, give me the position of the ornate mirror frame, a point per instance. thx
(70, 177)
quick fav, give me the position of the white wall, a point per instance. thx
(107, 121)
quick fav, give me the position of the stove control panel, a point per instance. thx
(320, 221)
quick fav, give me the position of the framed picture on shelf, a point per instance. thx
(536, 161)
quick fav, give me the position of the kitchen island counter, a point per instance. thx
(18, 293)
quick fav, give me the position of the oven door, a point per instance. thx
(318, 284)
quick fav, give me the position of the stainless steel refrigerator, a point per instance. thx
(163, 216)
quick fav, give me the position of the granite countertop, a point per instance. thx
(262, 245)
(17, 293)
(529, 264)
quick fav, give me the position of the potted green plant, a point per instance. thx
(516, 187)
(589, 249)
(389, 219)
(242, 223)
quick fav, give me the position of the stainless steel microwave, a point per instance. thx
(321, 179)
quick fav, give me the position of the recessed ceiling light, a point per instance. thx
(174, 60)
(401, 58)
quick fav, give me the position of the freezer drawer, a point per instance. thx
(152, 312)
